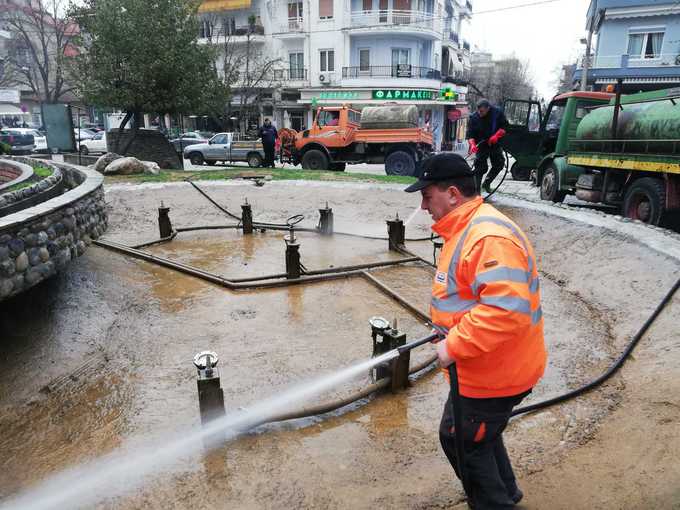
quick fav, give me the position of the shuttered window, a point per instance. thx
(325, 9)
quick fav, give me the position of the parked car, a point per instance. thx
(39, 139)
(186, 139)
(21, 143)
(83, 133)
(222, 147)
(96, 144)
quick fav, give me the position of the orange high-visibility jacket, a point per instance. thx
(486, 299)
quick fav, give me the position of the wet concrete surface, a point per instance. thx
(99, 357)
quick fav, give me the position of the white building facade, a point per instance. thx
(359, 52)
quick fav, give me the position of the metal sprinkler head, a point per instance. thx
(206, 360)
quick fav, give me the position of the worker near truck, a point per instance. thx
(486, 306)
(268, 134)
(485, 129)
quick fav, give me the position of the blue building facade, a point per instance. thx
(637, 41)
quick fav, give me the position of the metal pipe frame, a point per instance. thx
(251, 283)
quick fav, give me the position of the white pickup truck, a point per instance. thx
(222, 147)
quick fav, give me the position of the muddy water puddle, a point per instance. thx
(108, 363)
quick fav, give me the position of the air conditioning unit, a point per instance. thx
(325, 78)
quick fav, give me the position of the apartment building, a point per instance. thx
(638, 41)
(363, 52)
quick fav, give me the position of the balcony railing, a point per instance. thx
(397, 71)
(294, 74)
(626, 61)
(414, 19)
(289, 25)
(235, 34)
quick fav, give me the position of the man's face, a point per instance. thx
(437, 202)
(483, 110)
(267, 122)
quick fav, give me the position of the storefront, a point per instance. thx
(433, 104)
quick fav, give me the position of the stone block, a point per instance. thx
(6, 287)
(16, 246)
(34, 256)
(33, 276)
(7, 267)
(44, 254)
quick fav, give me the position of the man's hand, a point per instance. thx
(472, 146)
(496, 136)
(445, 358)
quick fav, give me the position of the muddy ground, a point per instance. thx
(99, 358)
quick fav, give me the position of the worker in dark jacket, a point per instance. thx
(268, 134)
(485, 129)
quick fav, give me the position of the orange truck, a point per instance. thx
(337, 138)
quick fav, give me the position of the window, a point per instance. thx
(205, 29)
(296, 66)
(327, 60)
(401, 56)
(325, 9)
(645, 45)
(364, 59)
(219, 139)
(294, 10)
(228, 26)
(354, 116)
(367, 5)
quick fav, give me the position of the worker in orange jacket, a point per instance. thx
(486, 304)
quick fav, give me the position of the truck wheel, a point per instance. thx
(314, 160)
(520, 174)
(84, 150)
(196, 158)
(400, 163)
(550, 185)
(254, 160)
(645, 200)
(338, 167)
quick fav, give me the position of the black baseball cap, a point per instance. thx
(442, 167)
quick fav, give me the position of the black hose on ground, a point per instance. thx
(612, 369)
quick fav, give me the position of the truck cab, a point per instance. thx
(335, 124)
(539, 141)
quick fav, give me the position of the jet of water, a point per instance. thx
(413, 215)
(119, 473)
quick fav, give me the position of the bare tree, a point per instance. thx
(243, 67)
(499, 80)
(39, 46)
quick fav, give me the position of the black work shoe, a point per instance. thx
(517, 496)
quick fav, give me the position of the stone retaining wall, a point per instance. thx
(37, 242)
(11, 174)
(45, 189)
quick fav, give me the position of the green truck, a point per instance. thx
(612, 149)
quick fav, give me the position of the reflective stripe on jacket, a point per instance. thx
(486, 299)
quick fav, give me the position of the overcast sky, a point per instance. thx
(546, 35)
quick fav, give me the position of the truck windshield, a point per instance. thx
(328, 118)
(555, 117)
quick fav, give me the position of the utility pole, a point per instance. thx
(586, 61)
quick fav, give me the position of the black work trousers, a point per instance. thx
(268, 154)
(495, 154)
(491, 481)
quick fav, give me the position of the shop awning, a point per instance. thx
(10, 109)
(223, 5)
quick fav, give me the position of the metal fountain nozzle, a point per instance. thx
(206, 360)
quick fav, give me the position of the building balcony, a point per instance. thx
(295, 77)
(290, 28)
(395, 21)
(398, 71)
(457, 77)
(234, 35)
(608, 68)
